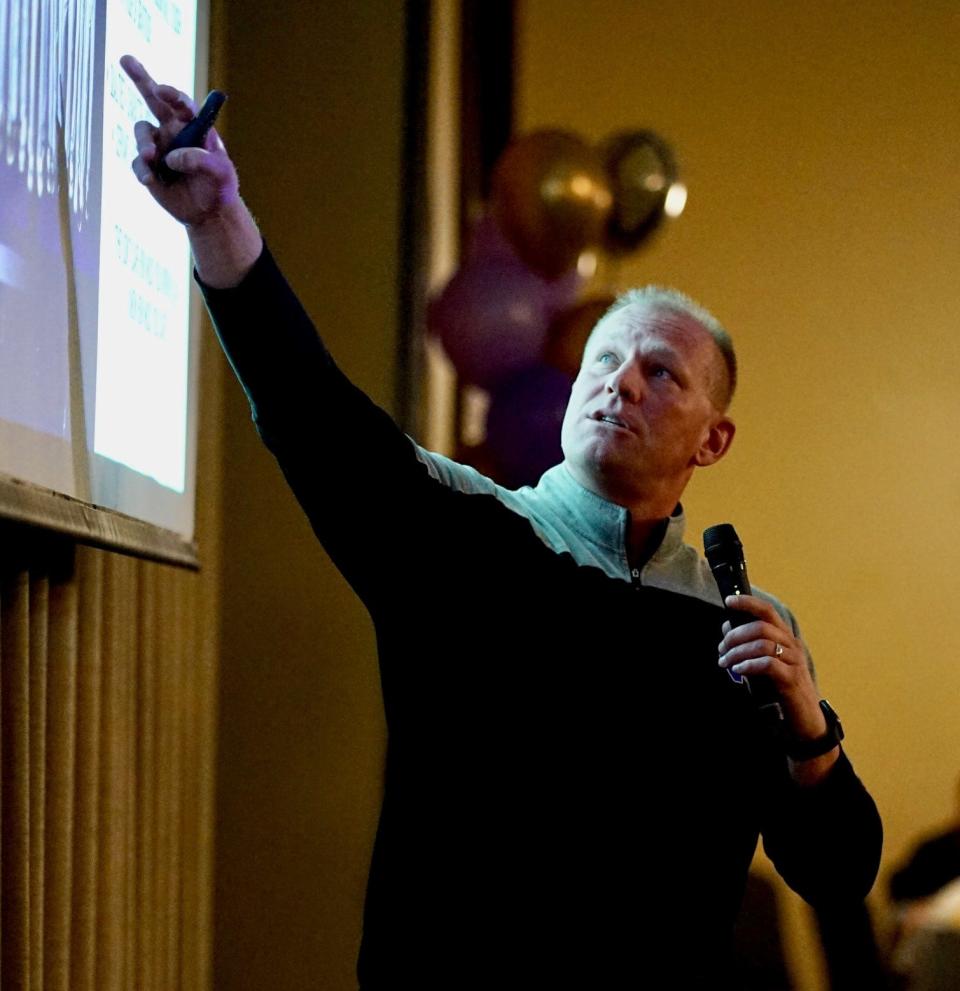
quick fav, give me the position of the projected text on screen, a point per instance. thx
(143, 315)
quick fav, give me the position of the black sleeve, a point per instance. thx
(354, 472)
(825, 840)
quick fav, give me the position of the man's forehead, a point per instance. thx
(652, 322)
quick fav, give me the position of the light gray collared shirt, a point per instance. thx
(570, 518)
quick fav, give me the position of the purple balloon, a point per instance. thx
(493, 317)
(487, 242)
(523, 424)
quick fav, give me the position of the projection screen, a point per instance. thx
(98, 354)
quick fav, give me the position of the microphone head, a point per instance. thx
(719, 541)
(724, 553)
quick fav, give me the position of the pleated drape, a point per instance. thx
(106, 750)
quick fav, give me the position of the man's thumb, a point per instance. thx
(189, 160)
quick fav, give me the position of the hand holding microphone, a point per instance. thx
(758, 643)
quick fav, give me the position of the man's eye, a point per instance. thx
(661, 372)
(606, 357)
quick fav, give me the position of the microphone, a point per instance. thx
(724, 553)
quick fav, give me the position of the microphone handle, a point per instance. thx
(762, 689)
(730, 573)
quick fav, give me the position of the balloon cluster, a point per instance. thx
(511, 318)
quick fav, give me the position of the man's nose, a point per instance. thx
(626, 382)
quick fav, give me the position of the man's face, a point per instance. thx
(641, 414)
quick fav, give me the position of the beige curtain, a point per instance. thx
(106, 750)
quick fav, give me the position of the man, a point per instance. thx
(574, 784)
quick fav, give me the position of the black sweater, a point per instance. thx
(572, 785)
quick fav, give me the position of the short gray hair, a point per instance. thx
(665, 298)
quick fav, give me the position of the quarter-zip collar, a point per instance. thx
(571, 519)
(594, 530)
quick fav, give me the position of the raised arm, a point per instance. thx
(346, 461)
(223, 234)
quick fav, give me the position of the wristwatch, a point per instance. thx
(808, 749)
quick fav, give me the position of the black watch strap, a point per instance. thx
(808, 749)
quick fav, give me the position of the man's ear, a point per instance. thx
(716, 442)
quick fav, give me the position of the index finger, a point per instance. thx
(146, 87)
(756, 606)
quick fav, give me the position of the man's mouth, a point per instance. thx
(610, 418)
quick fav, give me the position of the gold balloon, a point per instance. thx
(570, 330)
(551, 197)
